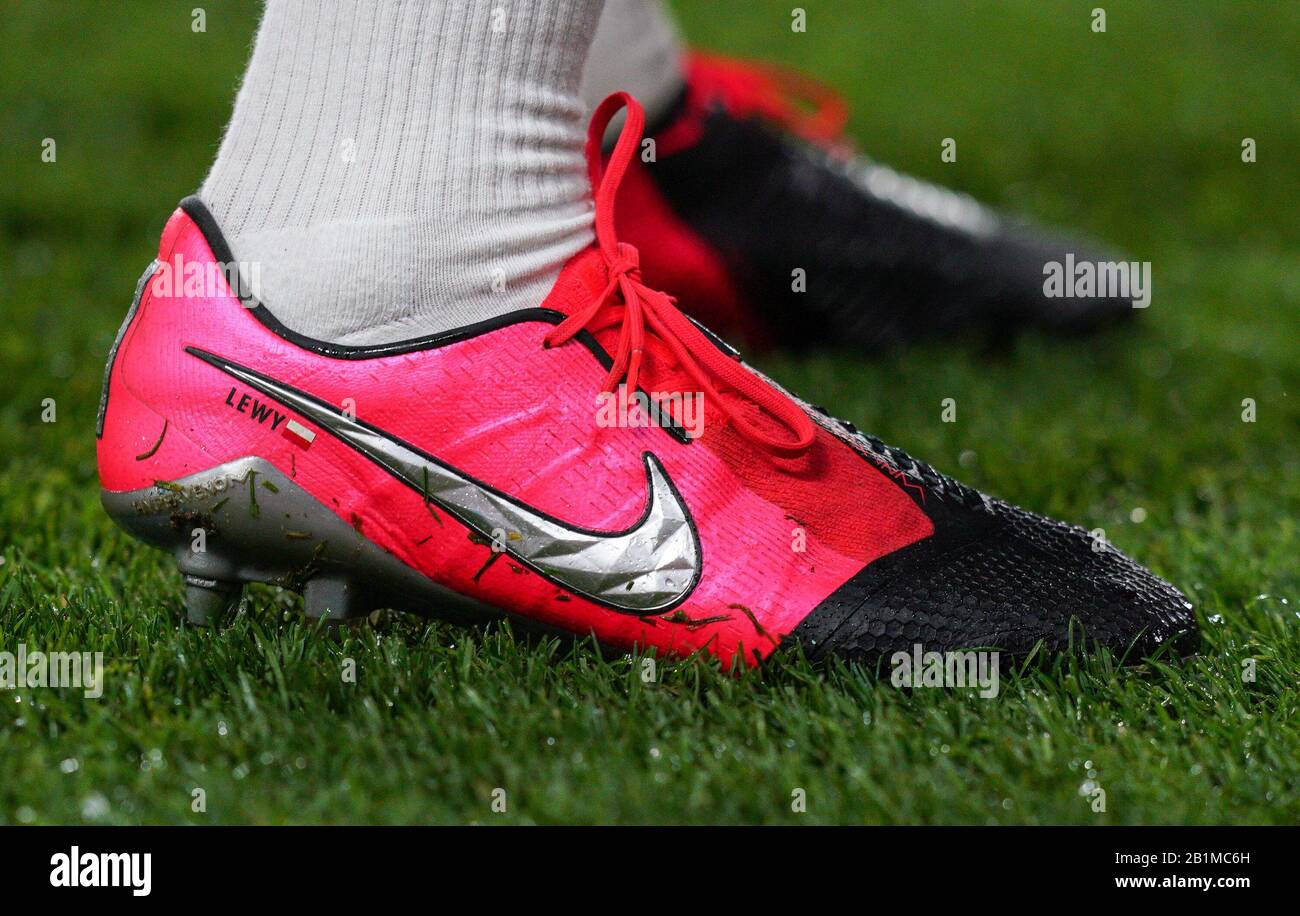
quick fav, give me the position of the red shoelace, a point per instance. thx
(647, 316)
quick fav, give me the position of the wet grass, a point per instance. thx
(1134, 135)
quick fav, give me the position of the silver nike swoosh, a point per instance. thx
(646, 569)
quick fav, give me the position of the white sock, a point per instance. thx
(402, 168)
(636, 50)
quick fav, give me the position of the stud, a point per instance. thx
(209, 601)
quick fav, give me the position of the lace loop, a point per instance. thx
(643, 314)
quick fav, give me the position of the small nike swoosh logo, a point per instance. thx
(646, 569)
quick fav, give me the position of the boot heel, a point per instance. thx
(245, 521)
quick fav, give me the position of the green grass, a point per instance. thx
(1133, 135)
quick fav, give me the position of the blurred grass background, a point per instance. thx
(1133, 135)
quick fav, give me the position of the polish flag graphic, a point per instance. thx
(298, 434)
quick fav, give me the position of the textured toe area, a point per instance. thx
(1003, 578)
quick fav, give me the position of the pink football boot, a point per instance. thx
(498, 470)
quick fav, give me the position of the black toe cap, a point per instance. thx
(1002, 578)
(1025, 257)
